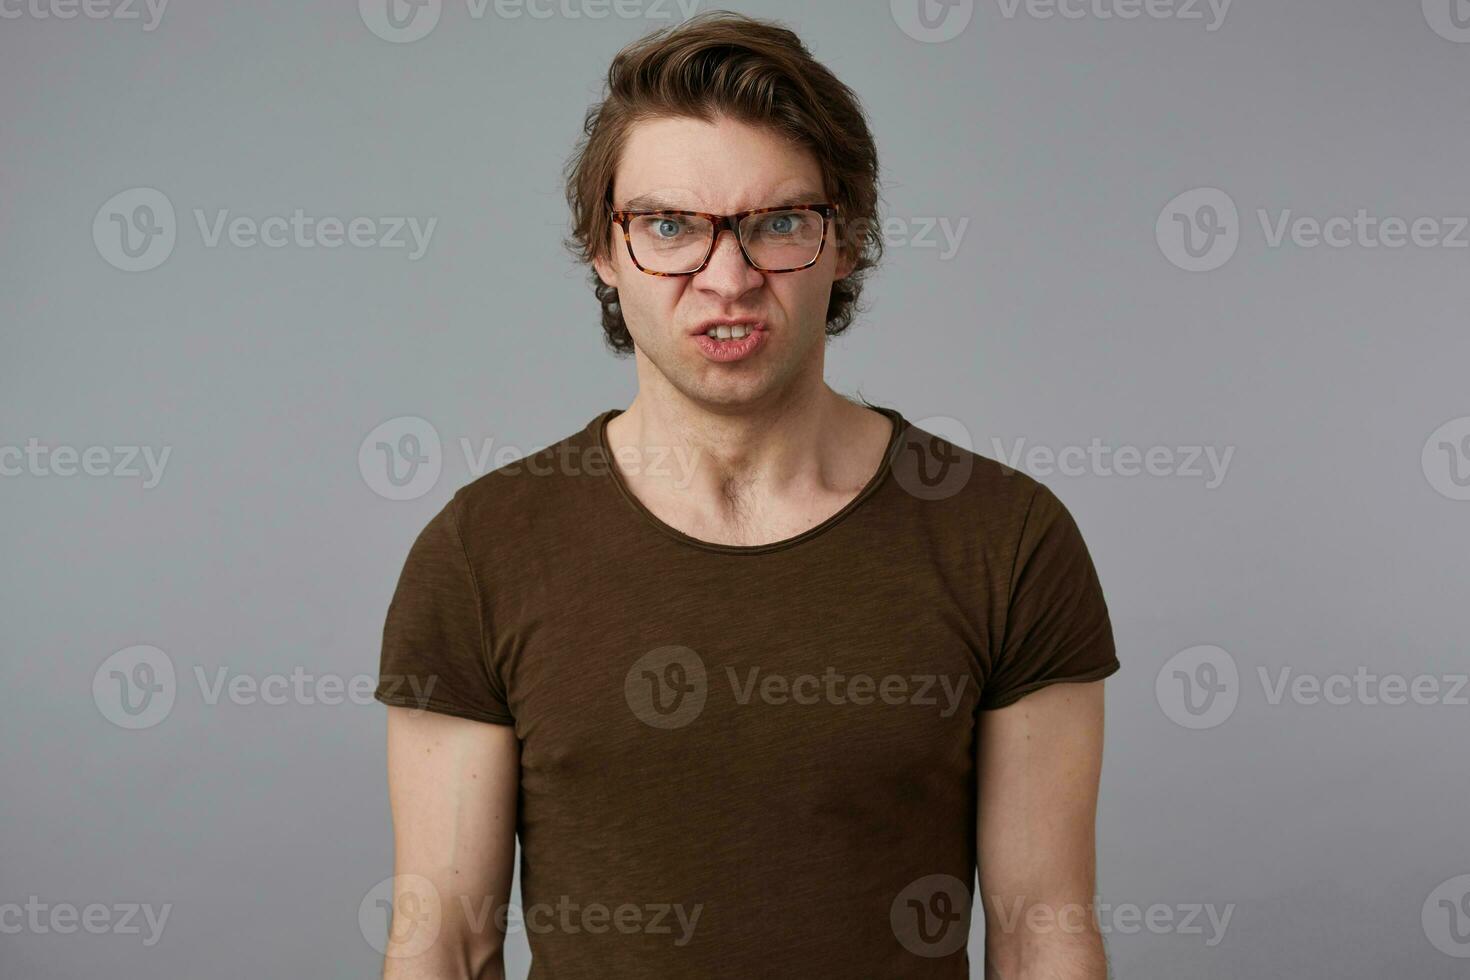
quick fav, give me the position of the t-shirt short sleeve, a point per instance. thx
(434, 653)
(1057, 626)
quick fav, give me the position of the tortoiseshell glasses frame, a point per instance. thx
(723, 221)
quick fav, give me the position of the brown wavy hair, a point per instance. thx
(758, 72)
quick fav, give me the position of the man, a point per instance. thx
(757, 674)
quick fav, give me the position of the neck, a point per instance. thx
(786, 440)
(750, 475)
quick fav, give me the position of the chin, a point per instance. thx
(720, 387)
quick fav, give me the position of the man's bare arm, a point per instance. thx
(1039, 766)
(453, 785)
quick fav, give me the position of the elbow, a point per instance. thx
(1038, 941)
(421, 952)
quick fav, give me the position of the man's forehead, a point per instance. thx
(796, 191)
(720, 166)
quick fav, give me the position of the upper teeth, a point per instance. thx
(728, 332)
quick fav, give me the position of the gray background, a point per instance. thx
(1061, 319)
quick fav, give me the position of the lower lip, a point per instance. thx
(725, 351)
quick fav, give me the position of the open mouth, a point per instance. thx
(724, 342)
(730, 331)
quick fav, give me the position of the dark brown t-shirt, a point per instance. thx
(745, 761)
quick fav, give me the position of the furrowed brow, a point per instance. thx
(653, 202)
(656, 202)
(800, 197)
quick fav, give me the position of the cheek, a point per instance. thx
(648, 302)
(804, 296)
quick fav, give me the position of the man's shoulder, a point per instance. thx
(965, 502)
(537, 485)
(933, 462)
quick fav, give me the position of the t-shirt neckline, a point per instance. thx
(599, 431)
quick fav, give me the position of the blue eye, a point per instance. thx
(667, 227)
(785, 224)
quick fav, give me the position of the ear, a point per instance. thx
(847, 258)
(846, 262)
(607, 269)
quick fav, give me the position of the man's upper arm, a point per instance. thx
(1039, 758)
(453, 785)
(453, 764)
(1039, 763)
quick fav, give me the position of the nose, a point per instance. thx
(728, 274)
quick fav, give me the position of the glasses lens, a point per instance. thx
(669, 242)
(779, 240)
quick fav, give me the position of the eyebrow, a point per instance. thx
(657, 202)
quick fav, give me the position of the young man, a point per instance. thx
(756, 673)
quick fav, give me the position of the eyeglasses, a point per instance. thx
(679, 243)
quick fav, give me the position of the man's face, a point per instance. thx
(721, 167)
